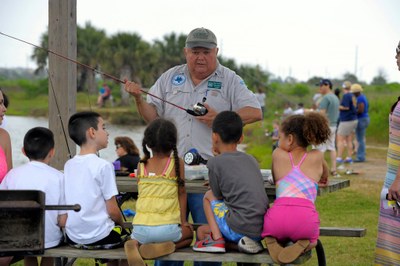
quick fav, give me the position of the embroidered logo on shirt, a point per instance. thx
(178, 79)
(214, 84)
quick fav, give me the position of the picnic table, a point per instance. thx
(129, 184)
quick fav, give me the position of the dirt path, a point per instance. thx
(374, 167)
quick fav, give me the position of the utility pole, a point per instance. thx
(62, 76)
(356, 62)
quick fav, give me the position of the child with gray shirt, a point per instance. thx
(236, 204)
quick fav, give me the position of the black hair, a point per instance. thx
(337, 92)
(38, 142)
(394, 105)
(161, 136)
(229, 126)
(79, 123)
(311, 128)
(6, 100)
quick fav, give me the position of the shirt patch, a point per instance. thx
(178, 79)
(214, 85)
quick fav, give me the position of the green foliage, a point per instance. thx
(300, 90)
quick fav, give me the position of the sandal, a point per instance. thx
(274, 248)
(132, 254)
(291, 253)
(155, 250)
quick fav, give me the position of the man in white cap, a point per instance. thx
(201, 80)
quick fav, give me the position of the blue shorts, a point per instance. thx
(154, 234)
(220, 210)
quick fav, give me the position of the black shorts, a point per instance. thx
(115, 239)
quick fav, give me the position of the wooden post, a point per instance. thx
(62, 76)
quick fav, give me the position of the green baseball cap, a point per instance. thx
(201, 37)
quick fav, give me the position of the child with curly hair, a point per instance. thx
(296, 173)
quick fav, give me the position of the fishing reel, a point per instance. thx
(198, 110)
(193, 157)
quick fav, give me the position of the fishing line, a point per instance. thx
(59, 114)
(194, 112)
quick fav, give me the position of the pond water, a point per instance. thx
(17, 126)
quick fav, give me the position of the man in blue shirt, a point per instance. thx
(363, 120)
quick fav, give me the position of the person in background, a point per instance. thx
(3, 124)
(160, 224)
(296, 172)
(363, 120)
(387, 251)
(347, 125)
(275, 134)
(127, 162)
(128, 154)
(201, 80)
(5, 155)
(287, 111)
(260, 94)
(104, 95)
(329, 105)
(235, 206)
(90, 182)
(38, 175)
(5, 141)
(299, 110)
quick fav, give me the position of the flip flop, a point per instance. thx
(132, 254)
(155, 250)
(291, 253)
(274, 248)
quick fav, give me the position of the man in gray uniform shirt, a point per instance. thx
(201, 78)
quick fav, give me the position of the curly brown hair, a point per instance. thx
(128, 144)
(311, 128)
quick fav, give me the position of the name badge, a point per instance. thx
(214, 85)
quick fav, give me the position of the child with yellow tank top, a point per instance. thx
(160, 224)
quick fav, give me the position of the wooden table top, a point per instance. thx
(128, 184)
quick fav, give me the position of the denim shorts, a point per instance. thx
(220, 210)
(159, 233)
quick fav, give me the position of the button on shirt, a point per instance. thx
(223, 89)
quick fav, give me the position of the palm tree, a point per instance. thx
(40, 55)
(169, 51)
(88, 45)
(129, 56)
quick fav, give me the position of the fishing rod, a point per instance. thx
(198, 109)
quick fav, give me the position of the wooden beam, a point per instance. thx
(62, 75)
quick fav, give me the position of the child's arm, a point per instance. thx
(325, 173)
(182, 195)
(62, 220)
(114, 212)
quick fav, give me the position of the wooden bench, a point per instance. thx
(187, 254)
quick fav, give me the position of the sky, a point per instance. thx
(297, 38)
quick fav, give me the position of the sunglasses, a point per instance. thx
(117, 146)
